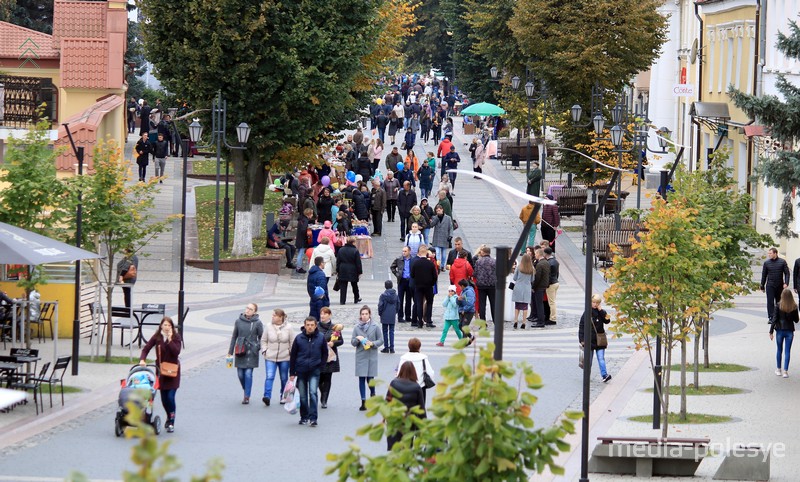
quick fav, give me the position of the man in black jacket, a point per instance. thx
(308, 355)
(458, 247)
(424, 274)
(774, 279)
(401, 269)
(406, 199)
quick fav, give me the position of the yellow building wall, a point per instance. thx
(728, 59)
(64, 293)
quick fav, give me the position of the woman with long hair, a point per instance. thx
(367, 338)
(411, 394)
(599, 319)
(276, 344)
(521, 293)
(421, 364)
(782, 324)
(333, 337)
(247, 331)
(168, 347)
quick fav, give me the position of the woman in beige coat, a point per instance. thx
(276, 343)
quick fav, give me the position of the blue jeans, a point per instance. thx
(168, 401)
(441, 255)
(388, 335)
(271, 367)
(308, 383)
(784, 339)
(362, 387)
(301, 257)
(424, 193)
(601, 361)
(426, 233)
(246, 379)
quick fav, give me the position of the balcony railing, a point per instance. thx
(21, 98)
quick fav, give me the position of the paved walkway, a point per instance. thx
(485, 216)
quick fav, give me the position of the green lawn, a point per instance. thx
(117, 360)
(714, 367)
(693, 418)
(703, 390)
(205, 203)
(208, 166)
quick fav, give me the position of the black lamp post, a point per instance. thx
(194, 134)
(532, 95)
(218, 128)
(619, 114)
(596, 120)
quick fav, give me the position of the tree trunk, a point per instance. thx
(109, 293)
(242, 233)
(259, 188)
(683, 379)
(696, 367)
(665, 382)
(706, 327)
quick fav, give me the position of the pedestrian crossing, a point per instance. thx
(518, 344)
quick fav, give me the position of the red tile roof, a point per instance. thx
(84, 63)
(83, 127)
(78, 19)
(20, 42)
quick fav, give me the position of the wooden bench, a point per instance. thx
(648, 456)
(572, 201)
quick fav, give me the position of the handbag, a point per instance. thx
(601, 340)
(511, 285)
(427, 381)
(336, 285)
(167, 369)
(240, 348)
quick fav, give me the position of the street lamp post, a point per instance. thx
(620, 117)
(218, 129)
(596, 120)
(532, 95)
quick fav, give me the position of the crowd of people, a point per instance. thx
(309, 359)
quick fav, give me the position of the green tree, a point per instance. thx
(668, 282)
(429, 45)
(480, 429)
(471, 68)
(572, 45)
(288, 69)
(34, 198)
(782, 169)
(33, 14)
(723, 211)
(116, 215)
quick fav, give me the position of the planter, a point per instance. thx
(270, 264)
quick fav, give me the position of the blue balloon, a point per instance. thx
(400, 166)
(351, 176)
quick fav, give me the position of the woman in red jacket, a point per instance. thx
(168, 347)
(461, 269)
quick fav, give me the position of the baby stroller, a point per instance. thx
(140, 380)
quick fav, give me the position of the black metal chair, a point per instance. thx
(34, 384)
(55, 378)
(46, 314)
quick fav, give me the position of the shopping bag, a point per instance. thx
(291, 406)
(288, 391)
(580, 356)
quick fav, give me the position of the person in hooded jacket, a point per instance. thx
(367, 338)
(364, 165)
(326, 251)
(317, 279)
(391, 186)
(460, 269)
(360, 205)
(426, 176)
(442, 225)
(247, 330)
(348, 263)
(406, 199)
(388, 305)
(276, 343)
(308, 356)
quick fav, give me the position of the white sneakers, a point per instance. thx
(781, 373)
(785, 374)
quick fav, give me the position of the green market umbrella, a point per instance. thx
(483, 108)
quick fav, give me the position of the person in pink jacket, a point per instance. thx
(327, 232)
